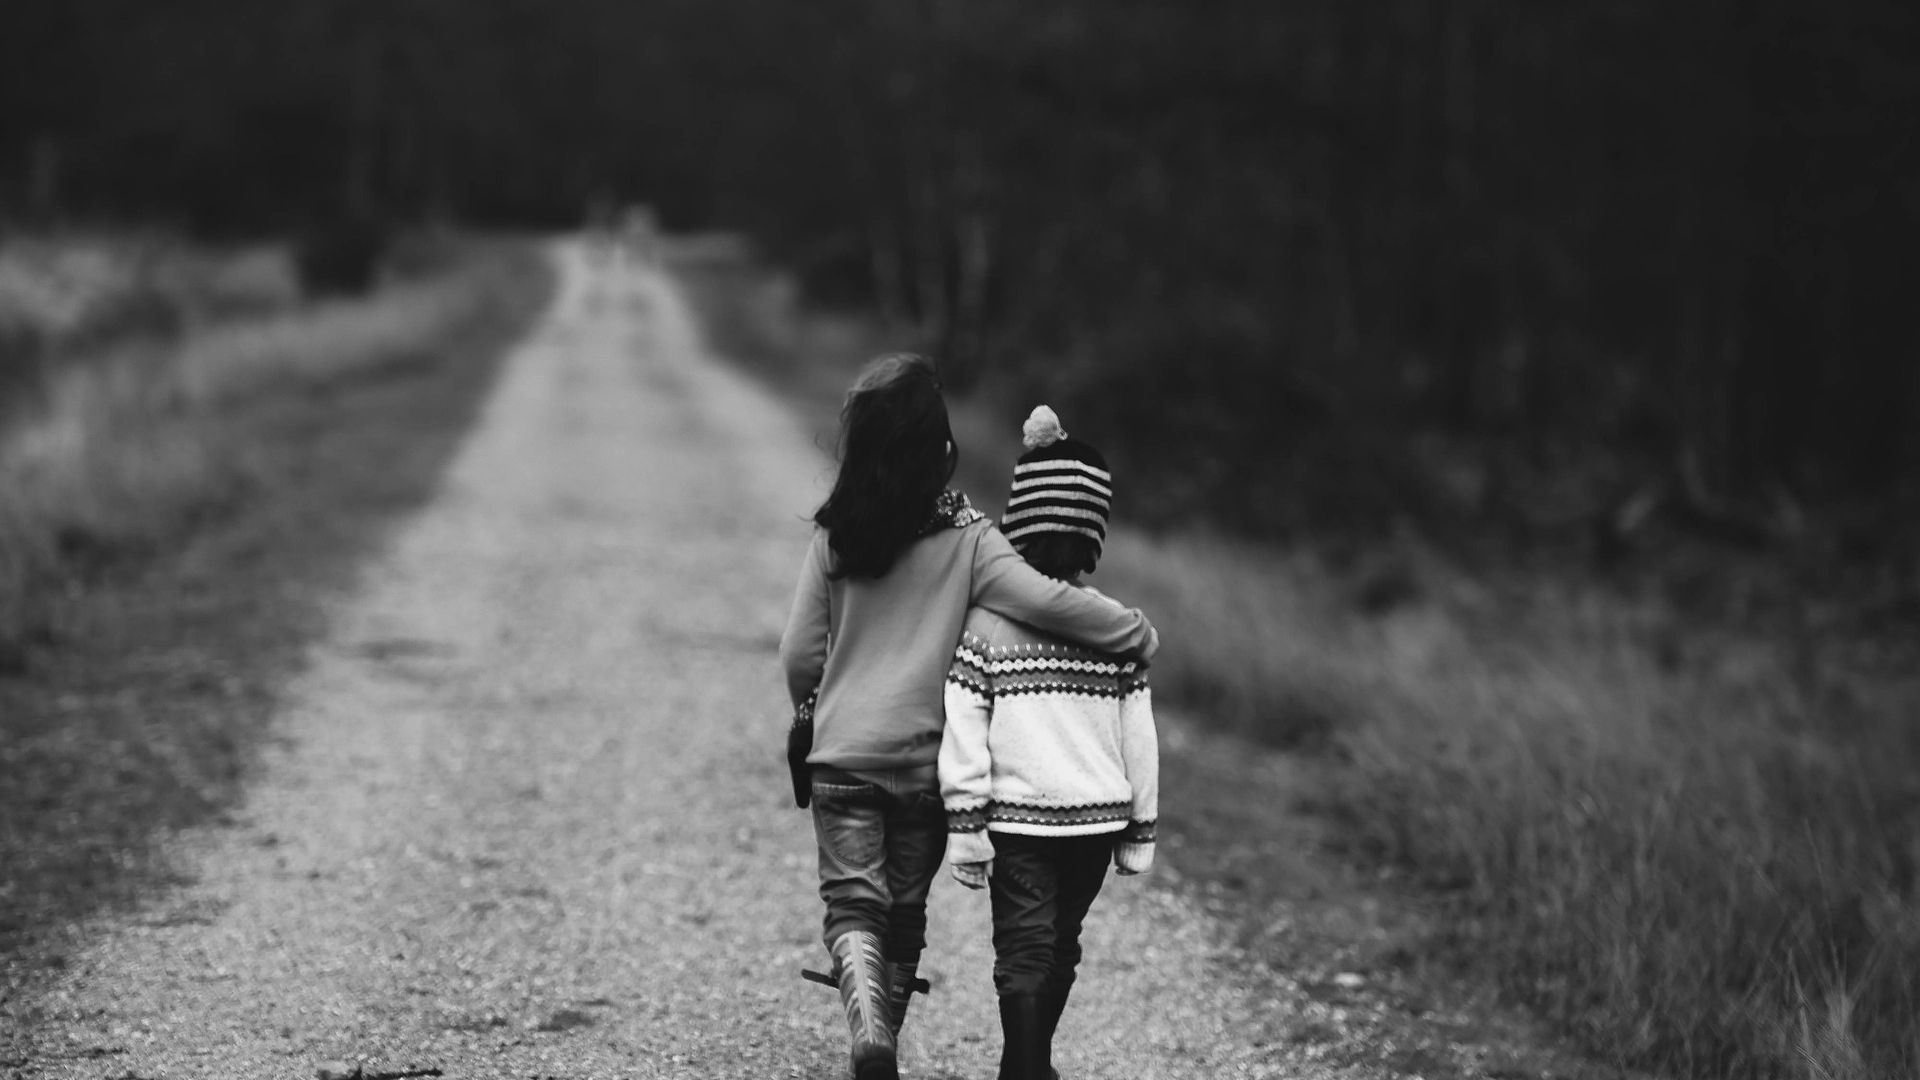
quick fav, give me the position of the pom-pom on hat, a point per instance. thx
(1059, 485)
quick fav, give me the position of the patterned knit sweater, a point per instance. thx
(1047, 739)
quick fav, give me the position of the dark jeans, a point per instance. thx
(1042, 887)
(881, 839)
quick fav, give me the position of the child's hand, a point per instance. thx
(973, 874)
(1133, 858)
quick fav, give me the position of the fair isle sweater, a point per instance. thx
(1046, 738)
(877, 649)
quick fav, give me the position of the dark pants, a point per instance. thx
(1042, 887)
(881, 839)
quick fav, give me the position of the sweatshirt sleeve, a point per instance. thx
(1140, 752)
(1003, 582)
(803, 645)
(966, 766)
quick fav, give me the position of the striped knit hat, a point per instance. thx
(1059, 485)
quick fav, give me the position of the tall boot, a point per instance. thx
(1053, 1002)
(861, 969)
(1023, 1055)
(900, 994)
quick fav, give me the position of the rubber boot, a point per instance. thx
(899, 995)
(1023, 1055)
(1053, 1003)
(861, 969)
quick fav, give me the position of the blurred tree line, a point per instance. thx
(1297, 260)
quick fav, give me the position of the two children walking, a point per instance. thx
(962, 681)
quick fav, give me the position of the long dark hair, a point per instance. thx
(896, 456)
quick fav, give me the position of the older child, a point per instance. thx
(895, 563)
(1050, 765)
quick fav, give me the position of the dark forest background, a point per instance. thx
(1308, 265)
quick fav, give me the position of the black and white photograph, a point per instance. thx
(960, 539)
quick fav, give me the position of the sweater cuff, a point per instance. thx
(1134, 858)
(969, 847)
(967, 819)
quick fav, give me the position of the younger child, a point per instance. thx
(1050, 765)
(894, 565)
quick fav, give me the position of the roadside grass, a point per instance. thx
(66, 296)
(1693, 848)
(171, 524)
(128, 447)
(1702, 864)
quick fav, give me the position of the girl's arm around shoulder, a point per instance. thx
(803, 645)
(1005, 583)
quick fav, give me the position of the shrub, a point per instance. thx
(342, 256)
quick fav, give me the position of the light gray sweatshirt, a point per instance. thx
(878, 649)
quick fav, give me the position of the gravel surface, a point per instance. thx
(526, 814)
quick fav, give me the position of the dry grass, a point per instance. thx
(125, 448)
(64, 292)
(1696, 855)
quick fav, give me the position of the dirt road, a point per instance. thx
(526, 817)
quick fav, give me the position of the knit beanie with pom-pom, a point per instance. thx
(1059, 485)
